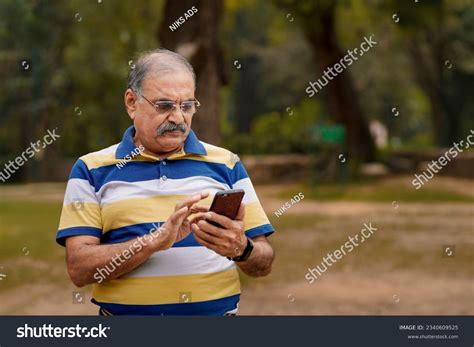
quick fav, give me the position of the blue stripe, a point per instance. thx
(136, 171)
(206, 308)
(266, 229)
(132, 231)
(81, 171)
(129, 232)
(238, 172)
(75, 231)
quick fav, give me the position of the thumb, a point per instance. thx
(241, 213)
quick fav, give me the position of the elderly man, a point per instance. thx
(135, 214)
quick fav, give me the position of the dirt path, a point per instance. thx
(363, 294)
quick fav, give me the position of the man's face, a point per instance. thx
(172, 86)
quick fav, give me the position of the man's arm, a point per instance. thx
(260, 261)
(230, 241)
(85, 254)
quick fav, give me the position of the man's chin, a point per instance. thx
(170, 141)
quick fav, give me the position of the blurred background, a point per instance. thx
(352, 149)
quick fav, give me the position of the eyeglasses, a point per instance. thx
(188, 107)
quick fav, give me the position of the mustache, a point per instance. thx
(170, 126)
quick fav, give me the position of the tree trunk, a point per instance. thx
(343, 102)
(427, 66)
(197, 39)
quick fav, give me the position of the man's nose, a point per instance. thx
(176, 116)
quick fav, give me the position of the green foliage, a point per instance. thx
(278, 132)
(84, 63)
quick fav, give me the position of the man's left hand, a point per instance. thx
(229, 240)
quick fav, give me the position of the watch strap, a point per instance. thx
(246, 253)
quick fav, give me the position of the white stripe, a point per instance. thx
(246, 185)
(182, 261)
(119, 190)
(79, 190)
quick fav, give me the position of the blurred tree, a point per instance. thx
(198, 40)
(274, 61)
(438, 36)
(102, 49)
(317, 18)
(33, 84)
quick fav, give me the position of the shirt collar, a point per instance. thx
(127, 146)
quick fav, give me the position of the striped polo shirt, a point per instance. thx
(120, 193)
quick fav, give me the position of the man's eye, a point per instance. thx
(165, 106)
(187, 106)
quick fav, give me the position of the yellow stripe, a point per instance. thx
(94, 160)
(143, 210)
(255, 216)
(214, 155)
(158, 208)
(85, 214)
(168, 289)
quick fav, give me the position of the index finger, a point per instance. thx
(220, 219)
(192, 200)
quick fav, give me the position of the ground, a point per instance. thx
(402, 269)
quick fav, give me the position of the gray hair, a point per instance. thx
(156, 61)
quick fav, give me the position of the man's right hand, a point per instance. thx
(178, 225)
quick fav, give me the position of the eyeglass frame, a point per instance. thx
(196, 102)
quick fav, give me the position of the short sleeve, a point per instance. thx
(256, 221)
(80, 214)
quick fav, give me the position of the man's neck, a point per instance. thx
(161, 155)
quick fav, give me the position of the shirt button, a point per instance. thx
(164, 162)
(164, 178)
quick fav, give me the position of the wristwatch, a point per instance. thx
(247, 251)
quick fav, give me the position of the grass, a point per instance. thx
(377, 191)
(28, 250)
(30, 224)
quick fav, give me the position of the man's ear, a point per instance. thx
(130, 100)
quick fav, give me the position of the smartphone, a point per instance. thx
(227, 203)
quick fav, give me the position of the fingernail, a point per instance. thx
(209, 215)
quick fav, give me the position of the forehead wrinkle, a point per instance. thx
(172, 91)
